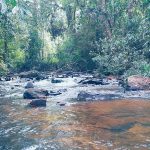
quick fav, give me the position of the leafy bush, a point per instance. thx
(139, 67)
(17, 58)
(3, 69)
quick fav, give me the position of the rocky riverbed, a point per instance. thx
(81, 87)
(82, 112)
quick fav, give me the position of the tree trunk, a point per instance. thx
(131, 4)
(104, 18)
(5, 53)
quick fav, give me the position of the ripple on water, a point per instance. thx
(34, 147)
(86, 126)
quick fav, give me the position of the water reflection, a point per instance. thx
(111, 125)
(123, 124)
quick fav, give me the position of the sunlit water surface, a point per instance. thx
(110, 125)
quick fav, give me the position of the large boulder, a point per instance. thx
(38, 103)
(86, 96)
(138, 82)
(29, 85)
(35, 94)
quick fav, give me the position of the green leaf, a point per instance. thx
(11, 2)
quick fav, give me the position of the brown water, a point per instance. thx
(111, 125)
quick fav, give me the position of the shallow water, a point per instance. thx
(101, 125)
(111, 125)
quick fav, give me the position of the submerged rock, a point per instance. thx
(62, 104)
(38, 103)
(54, 93)
(122, 128)
(86, 96)
(35, 94)
(29, 85)
(12, 88)
(57, 92)
(62, 90)
(56, 81)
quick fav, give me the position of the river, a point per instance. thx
(98, 125)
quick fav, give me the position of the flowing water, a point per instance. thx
(100, 125)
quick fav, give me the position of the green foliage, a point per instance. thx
(18, 58)
(140, 68)
(145, 69)
(111, 37)
(7, 6)
(3, 68)
(126, 48)
(34, 47)
(11, 2)
(74, 55)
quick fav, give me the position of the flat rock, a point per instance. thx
(93, 81)
(86, 96)
(137, 82)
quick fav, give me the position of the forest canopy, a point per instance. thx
(100, 36)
